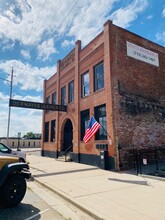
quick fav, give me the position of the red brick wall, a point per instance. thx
(138, 90)
(133, 93)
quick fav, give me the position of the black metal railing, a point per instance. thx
(147, 160)
(65, 153)
(151, 161)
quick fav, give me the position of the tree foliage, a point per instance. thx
(29, 135)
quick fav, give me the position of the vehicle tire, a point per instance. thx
(21, 160)
(13, 190)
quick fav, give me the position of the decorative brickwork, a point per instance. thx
(133, 93)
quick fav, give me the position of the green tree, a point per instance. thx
(29, 135)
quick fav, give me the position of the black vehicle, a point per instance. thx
(12, 180)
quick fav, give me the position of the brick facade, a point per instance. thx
(134, 95)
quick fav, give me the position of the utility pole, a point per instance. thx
(11, 87)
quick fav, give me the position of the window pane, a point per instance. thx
(86, 79)
(84, 122)
(103, 128)
(53, 126)
(86, 90)
(54, 98)
(71, 91)
(100, 84)
(48, 102)
(63, 96)
(85, 85)
(99, 76)
(100, 114)
(46, 137)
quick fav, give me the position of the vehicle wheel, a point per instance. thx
(13, 190)
(21, 160)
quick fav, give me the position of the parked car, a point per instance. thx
(7, 151)
(12, 180)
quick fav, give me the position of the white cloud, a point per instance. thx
(37, 25)
(27, 76)
(23, 120)
(25, 54)
(67, 43)
(160, 37)
(163, 12)
(30, 21)
(88, 21)
(40, 21)
(124, 16)
(46, 49)
(26, 122)
(45, 19)
(149, 17)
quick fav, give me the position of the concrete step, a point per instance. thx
(62, 158)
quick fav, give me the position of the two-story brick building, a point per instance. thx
(120, 78)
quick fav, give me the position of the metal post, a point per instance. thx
(11, 87)
(19, 137)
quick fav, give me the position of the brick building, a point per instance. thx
(120, 78)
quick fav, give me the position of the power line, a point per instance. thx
(59, 26)
(5, 80)
(56, 12)
(34, 22)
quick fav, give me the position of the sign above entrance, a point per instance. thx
(37, 105)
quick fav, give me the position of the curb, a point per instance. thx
(68, 200)
(152, 177)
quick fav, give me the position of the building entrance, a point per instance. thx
(68, 136)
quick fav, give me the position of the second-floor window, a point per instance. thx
(54, 98)
(85, 84)
(71, 92)
(63, 95)
(99, 76)
(48, 102)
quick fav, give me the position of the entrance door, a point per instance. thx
(68, 135)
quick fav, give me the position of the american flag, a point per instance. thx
(91, 130)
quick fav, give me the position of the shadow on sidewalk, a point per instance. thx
(144, 183)
(62, 172)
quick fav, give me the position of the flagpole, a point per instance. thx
(103, 128)
(105, 131)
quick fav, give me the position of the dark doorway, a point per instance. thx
(68, 136)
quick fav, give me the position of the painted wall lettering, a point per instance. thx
(142, 54)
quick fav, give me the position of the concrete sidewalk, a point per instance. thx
(102, 194)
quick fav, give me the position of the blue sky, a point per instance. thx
(34, 35)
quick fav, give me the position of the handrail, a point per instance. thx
(67, 151)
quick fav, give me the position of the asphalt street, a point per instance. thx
(32, 207)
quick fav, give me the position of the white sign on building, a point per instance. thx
(140, 53)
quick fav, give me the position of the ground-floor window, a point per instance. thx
(84, 122)
(100, 115)
(53, 130)
(46, 137)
